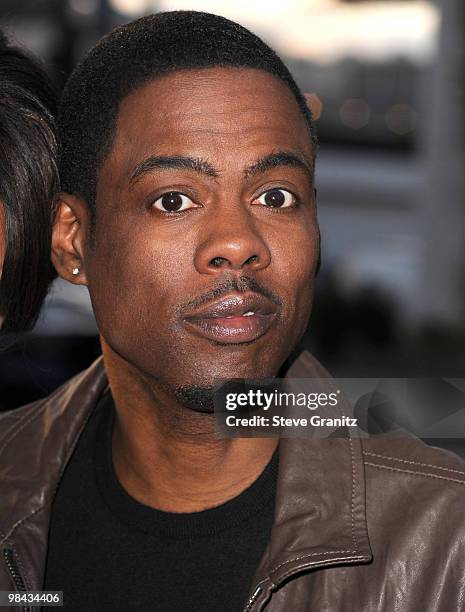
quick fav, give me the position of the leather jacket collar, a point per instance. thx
(320, 501)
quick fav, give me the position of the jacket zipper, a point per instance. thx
(252, 599)
(13, 568)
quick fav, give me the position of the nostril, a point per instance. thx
(251, 259)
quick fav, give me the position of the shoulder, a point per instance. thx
(75, 393)
(411, 458)
(415, 493)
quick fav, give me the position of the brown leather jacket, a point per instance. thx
(360, 525)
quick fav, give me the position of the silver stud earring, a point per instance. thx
(75, 271)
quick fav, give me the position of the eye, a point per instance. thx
(277, 198)
(173, 201)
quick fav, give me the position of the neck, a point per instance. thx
(166, 456)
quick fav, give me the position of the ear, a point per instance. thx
(69, 237)
(314, 104)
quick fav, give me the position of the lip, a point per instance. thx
(228, 320)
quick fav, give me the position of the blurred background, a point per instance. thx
(388, 79)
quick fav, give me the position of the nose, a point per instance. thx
(233, 242)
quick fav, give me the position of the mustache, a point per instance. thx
(240, 285)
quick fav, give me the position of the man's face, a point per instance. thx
(206, 237)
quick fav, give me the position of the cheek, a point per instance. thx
(135, 282)
(296, 256)
(297, 263)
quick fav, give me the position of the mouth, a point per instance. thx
(235, 319)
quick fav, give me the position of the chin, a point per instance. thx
(255, 371)
(196, 398)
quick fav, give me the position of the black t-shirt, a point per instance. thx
(109, 552)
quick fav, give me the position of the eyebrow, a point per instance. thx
(201, 166)
(280, 158)
(177, 162)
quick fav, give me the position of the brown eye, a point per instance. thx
(277, 198)
(173, 201)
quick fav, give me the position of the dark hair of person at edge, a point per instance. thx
(135, 54)
(28, 181)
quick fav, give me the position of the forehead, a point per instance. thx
(219, 113)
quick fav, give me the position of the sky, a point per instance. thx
(324, 30)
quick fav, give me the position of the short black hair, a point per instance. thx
(28, 181)
(134, 54)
